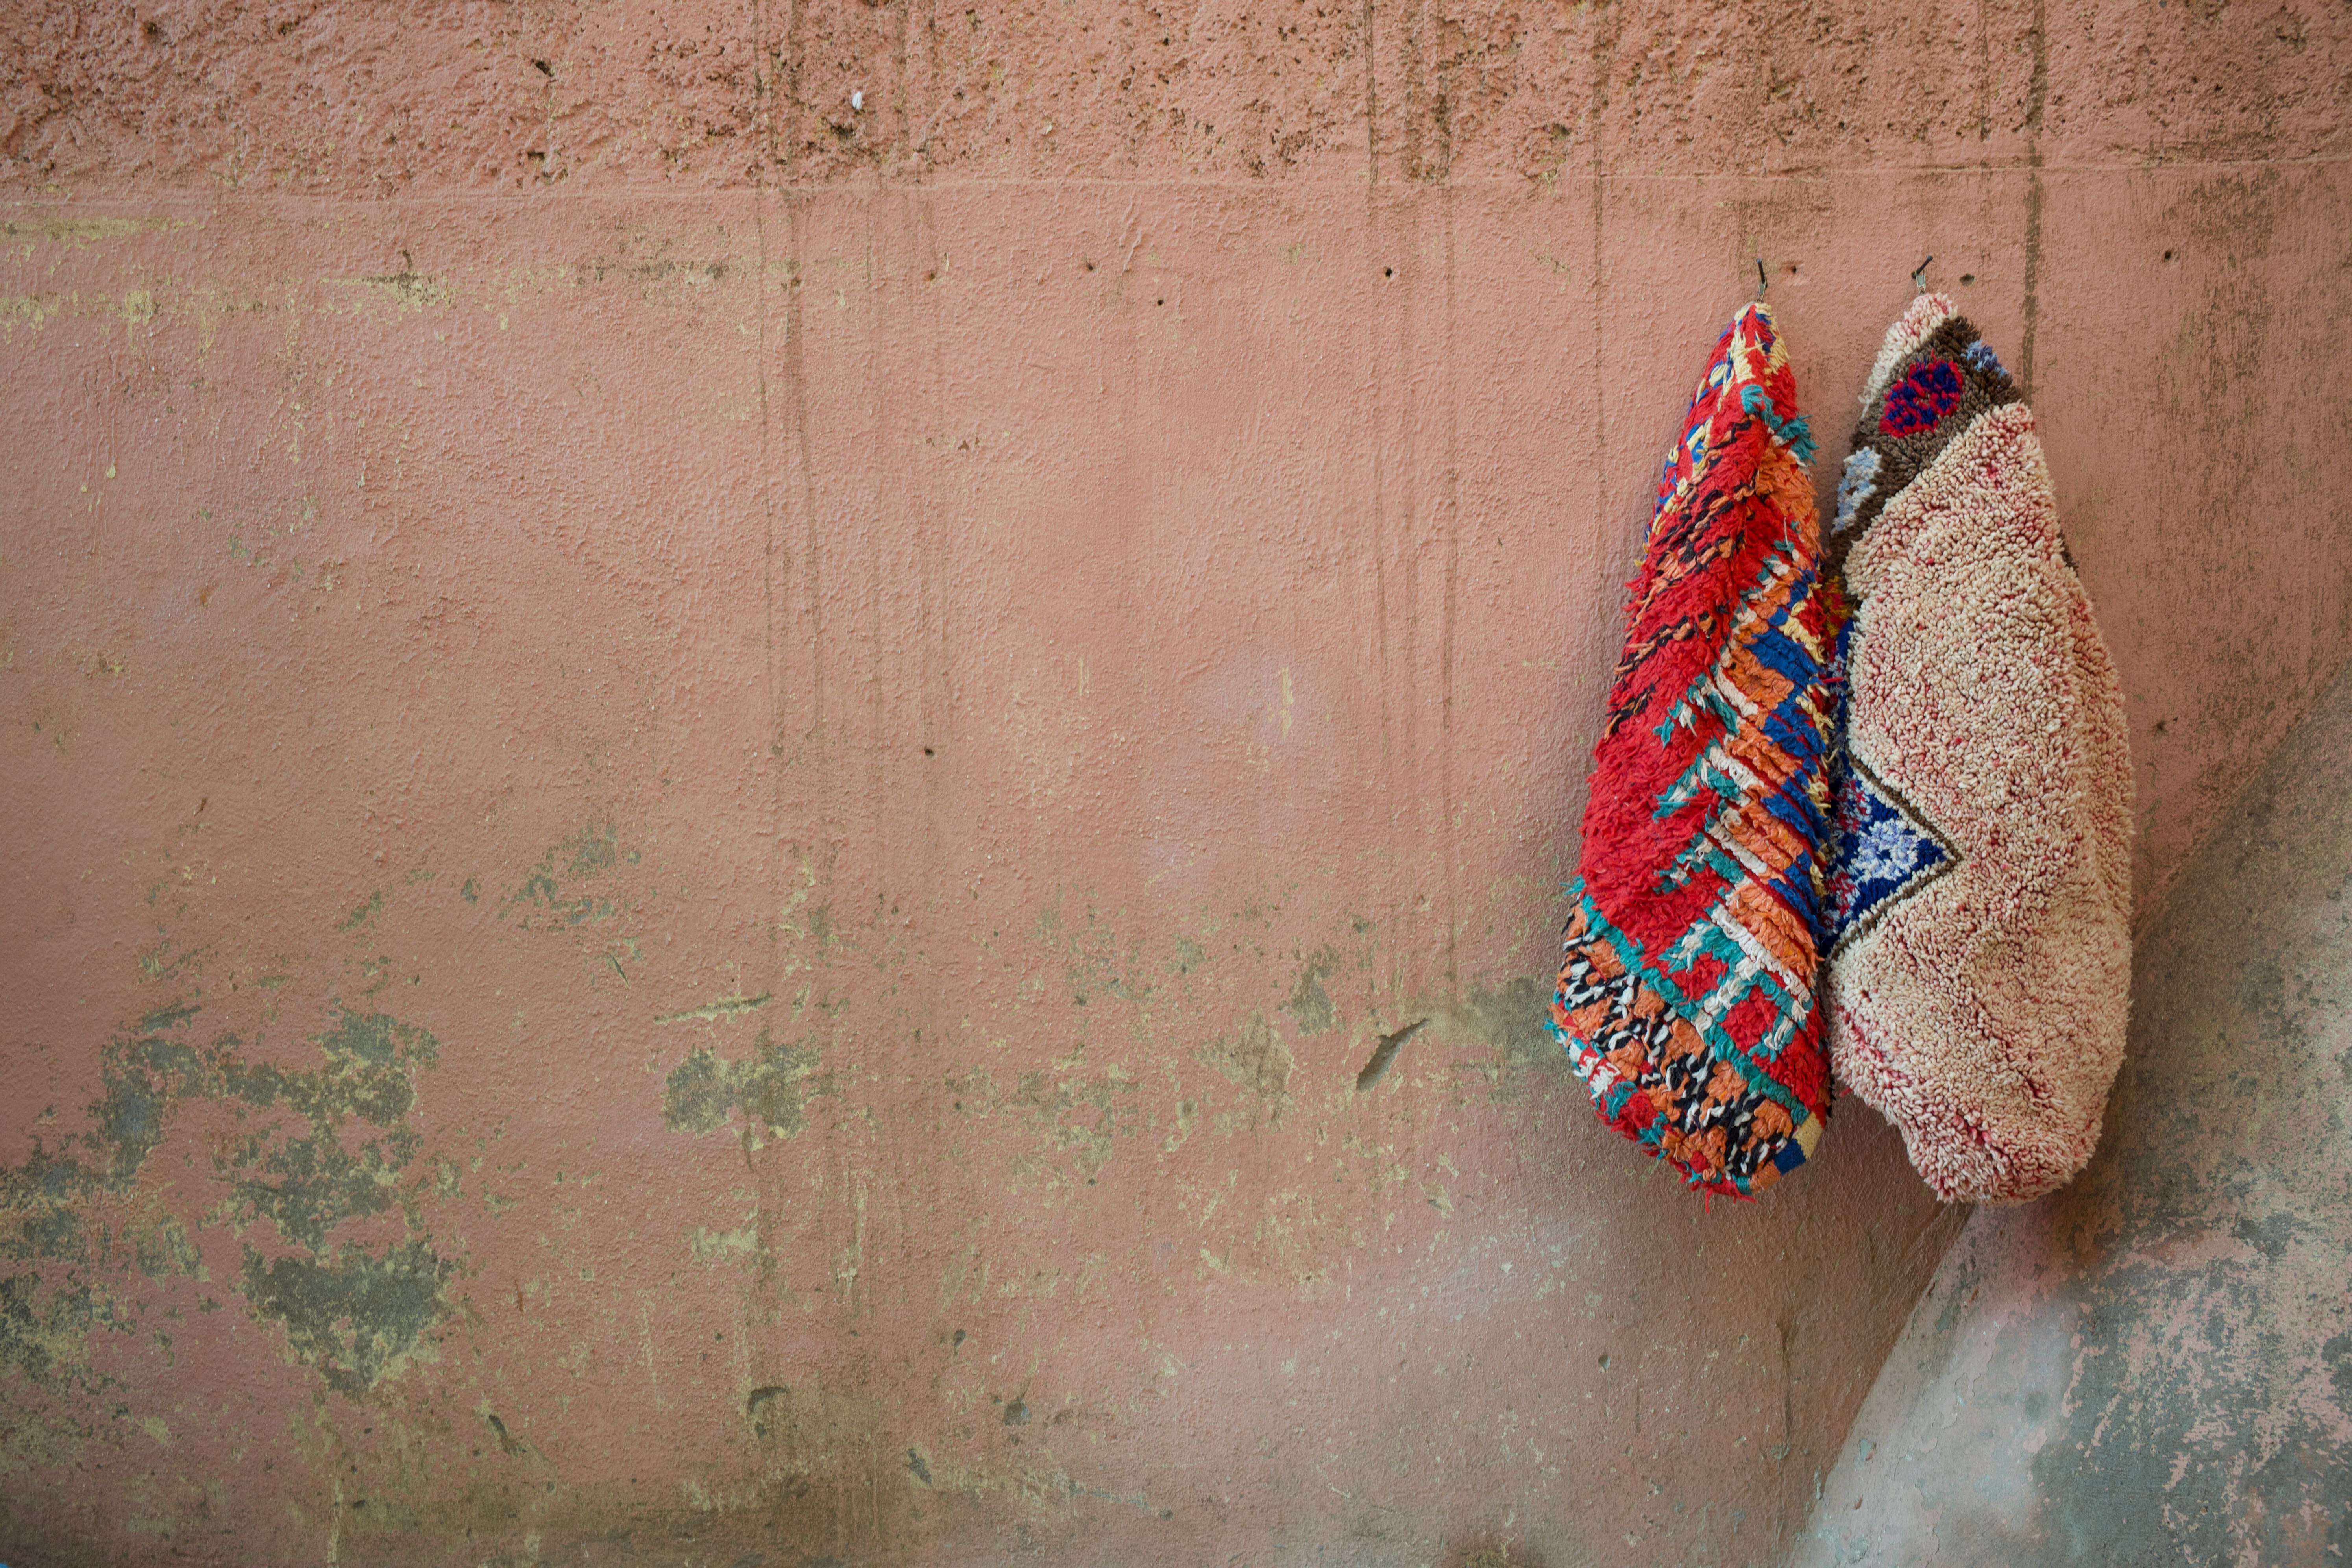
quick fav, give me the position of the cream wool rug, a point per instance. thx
(1980, 966)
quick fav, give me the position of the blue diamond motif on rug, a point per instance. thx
(1885, 853)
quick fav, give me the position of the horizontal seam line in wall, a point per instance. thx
(668, 192)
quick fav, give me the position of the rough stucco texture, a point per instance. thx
(708, 799)
(2155, 1366)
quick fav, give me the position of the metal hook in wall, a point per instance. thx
(1919, 277)
(1761, 282)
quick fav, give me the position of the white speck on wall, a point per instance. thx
(857, 101)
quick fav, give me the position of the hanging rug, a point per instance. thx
(1686, 995)
(1979, 902)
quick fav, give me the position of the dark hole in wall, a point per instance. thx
(1384, 1055)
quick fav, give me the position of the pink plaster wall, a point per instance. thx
(707, 800)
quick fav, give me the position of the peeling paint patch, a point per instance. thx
(1309, 1003)
(552, 888)
(725, 1007)
(1074, 1118)
(368, 909)
(322, 1146)
(1050, 1492)
(32, 312)
(770, 1088)
(407, 289)
(352, 1315)
(30, 232)
(801, 1427)
(1254, 1058)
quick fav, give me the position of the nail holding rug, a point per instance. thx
(1981, 964)
(1686, 995)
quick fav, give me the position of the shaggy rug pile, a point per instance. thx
(1686, 996)
(1981, 899)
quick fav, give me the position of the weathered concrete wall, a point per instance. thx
(2155, 1366)
(709, 798)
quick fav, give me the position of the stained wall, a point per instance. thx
(2154, 1365)
(710, 798)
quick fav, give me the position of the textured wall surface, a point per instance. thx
(2155, 1366)
(707, 798)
